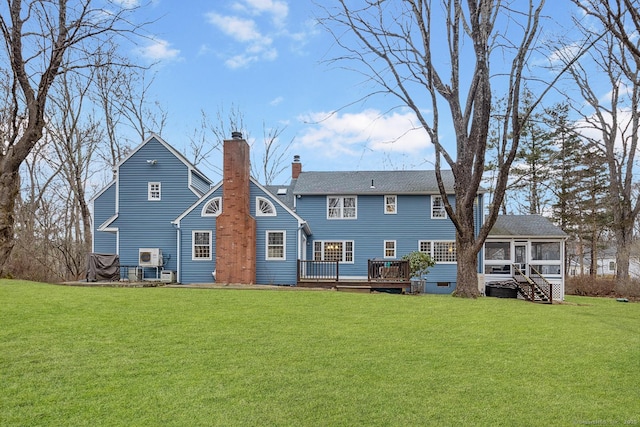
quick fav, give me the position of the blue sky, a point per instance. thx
(267, 58)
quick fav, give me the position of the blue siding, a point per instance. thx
(199, 182)
(104, 207)
(372, 227)
(270, 272)
(197, 271)
(147, 224)
(267, 271)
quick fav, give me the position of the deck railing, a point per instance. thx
(320, 271)
(388, 270)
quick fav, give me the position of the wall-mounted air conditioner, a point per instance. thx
(150, 257)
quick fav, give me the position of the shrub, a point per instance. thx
(602, 287)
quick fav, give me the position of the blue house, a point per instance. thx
(161, 215)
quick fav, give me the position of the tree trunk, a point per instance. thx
(9, 190)
(623, 251)
(467, 277)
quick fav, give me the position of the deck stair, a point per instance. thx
(534, 288)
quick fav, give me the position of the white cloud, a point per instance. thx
(589, 127)
(256, 26)
(351, 133)
(242, 30)
(245, 31)
(276, 101)
(278, 10)
(159, 49)
(127, 4)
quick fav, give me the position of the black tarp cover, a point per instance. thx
(103, 267)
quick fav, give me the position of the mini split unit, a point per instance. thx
(150, 257)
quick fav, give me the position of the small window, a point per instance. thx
(201, 246)
(437, 208)
(213, 207)
(390, 204)
(612, 266)
(153, 191)
(276, 245)
(442, 284)
(389, 248)
(343, 207)
(264, 207)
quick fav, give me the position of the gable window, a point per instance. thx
(389, 248)
(390, 204)
(341, 251)
(437, 207)
(439, 251)
(153, 191)
(201, 245)
(264, 207)
(342, 207)
(213, 207)
(276, 245)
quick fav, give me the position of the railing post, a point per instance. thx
(337, 271)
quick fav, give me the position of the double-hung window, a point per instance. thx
(437, 207)
(389, 248)
(342, 207)
(201, 245)
(276, 246)
(390, 204)
(153, 191)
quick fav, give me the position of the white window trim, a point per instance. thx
(430, 252)
(384, 248)
(204, 208)
(395, 205)
(284, 245)
(344, 252)
(433, 198)
(149, 192)
(193, 245)
(259, 212)
(342, 217)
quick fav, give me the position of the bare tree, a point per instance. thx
(274, 155)
(436, 57)
(206, 141)
(75, 136)
(614, 116)
(121, 92)
(38, 36)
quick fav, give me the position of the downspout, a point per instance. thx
(179, 258)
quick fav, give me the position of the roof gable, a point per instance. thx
(172, 150)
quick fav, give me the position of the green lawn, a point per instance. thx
(163, 356)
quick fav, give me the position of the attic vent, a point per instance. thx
(282, 191)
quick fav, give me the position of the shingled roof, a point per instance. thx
(525, 226)
(372, 182)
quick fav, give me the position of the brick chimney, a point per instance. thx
(235, 227)
(296, 167)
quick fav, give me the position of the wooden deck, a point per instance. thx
(356, 285)
(382, 275)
